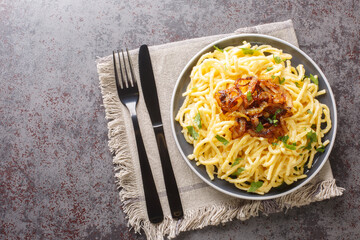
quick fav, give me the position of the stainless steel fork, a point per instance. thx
(129, 95)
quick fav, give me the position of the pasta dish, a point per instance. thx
(253, 118)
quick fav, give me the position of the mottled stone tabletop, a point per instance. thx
(56, 173)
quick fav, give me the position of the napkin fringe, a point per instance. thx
(193, 219)
(239, 209)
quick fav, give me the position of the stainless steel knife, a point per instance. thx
(152, 103)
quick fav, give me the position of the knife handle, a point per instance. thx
(152, 200)
(169, 177)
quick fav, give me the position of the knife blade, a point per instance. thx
(148, 86)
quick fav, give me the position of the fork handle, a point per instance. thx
(152, 199)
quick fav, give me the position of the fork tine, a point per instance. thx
(133, 80)
(115, 71)
(128, 80)
(123, 85)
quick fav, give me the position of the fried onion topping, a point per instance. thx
(259, 106)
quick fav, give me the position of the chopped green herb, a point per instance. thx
(197, 120)
(274, 144)
(249, 51)
(297, 85)
(291, 147)
(312, 137)
(313, 126)
(321, 149)
(237, 161)
(221, 50)
(222, 140)
(277, 59)
(273, 77)
(314, 79)
(269, 68)
(249, 96)
(309, 111)
(301, 154)
(281, 80)
(295, 168)
(192, 132)
(255, 186)
(259, 127)
(278, 111)
(304, 78)
(284, 139)
(273, 120)
(237, 172)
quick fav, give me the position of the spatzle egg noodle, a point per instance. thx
(253, 164)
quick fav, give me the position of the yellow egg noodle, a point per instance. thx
(251, 163)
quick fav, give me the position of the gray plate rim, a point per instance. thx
(192, 62)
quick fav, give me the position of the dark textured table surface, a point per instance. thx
(56, 174)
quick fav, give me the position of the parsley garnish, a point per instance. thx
(249, 51)
(295, 168)
(321, 149)
(249, 96)
(313, 126)
(314, 79)
(237, 172)
(284, 139)
(192, 132)
(309, 111)
(259, 127)
(274, 120)
(222, 140)
(312, 138)
(269, 68)
(237, 160)
(291, 147)
(281, 80)
(197, 120)
(255, 186)
(221, 50)
(297, 84)
(277, 59)
(274, 144)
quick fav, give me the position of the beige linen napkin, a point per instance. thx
(202, 204)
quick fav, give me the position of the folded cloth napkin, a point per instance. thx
(202, 204)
